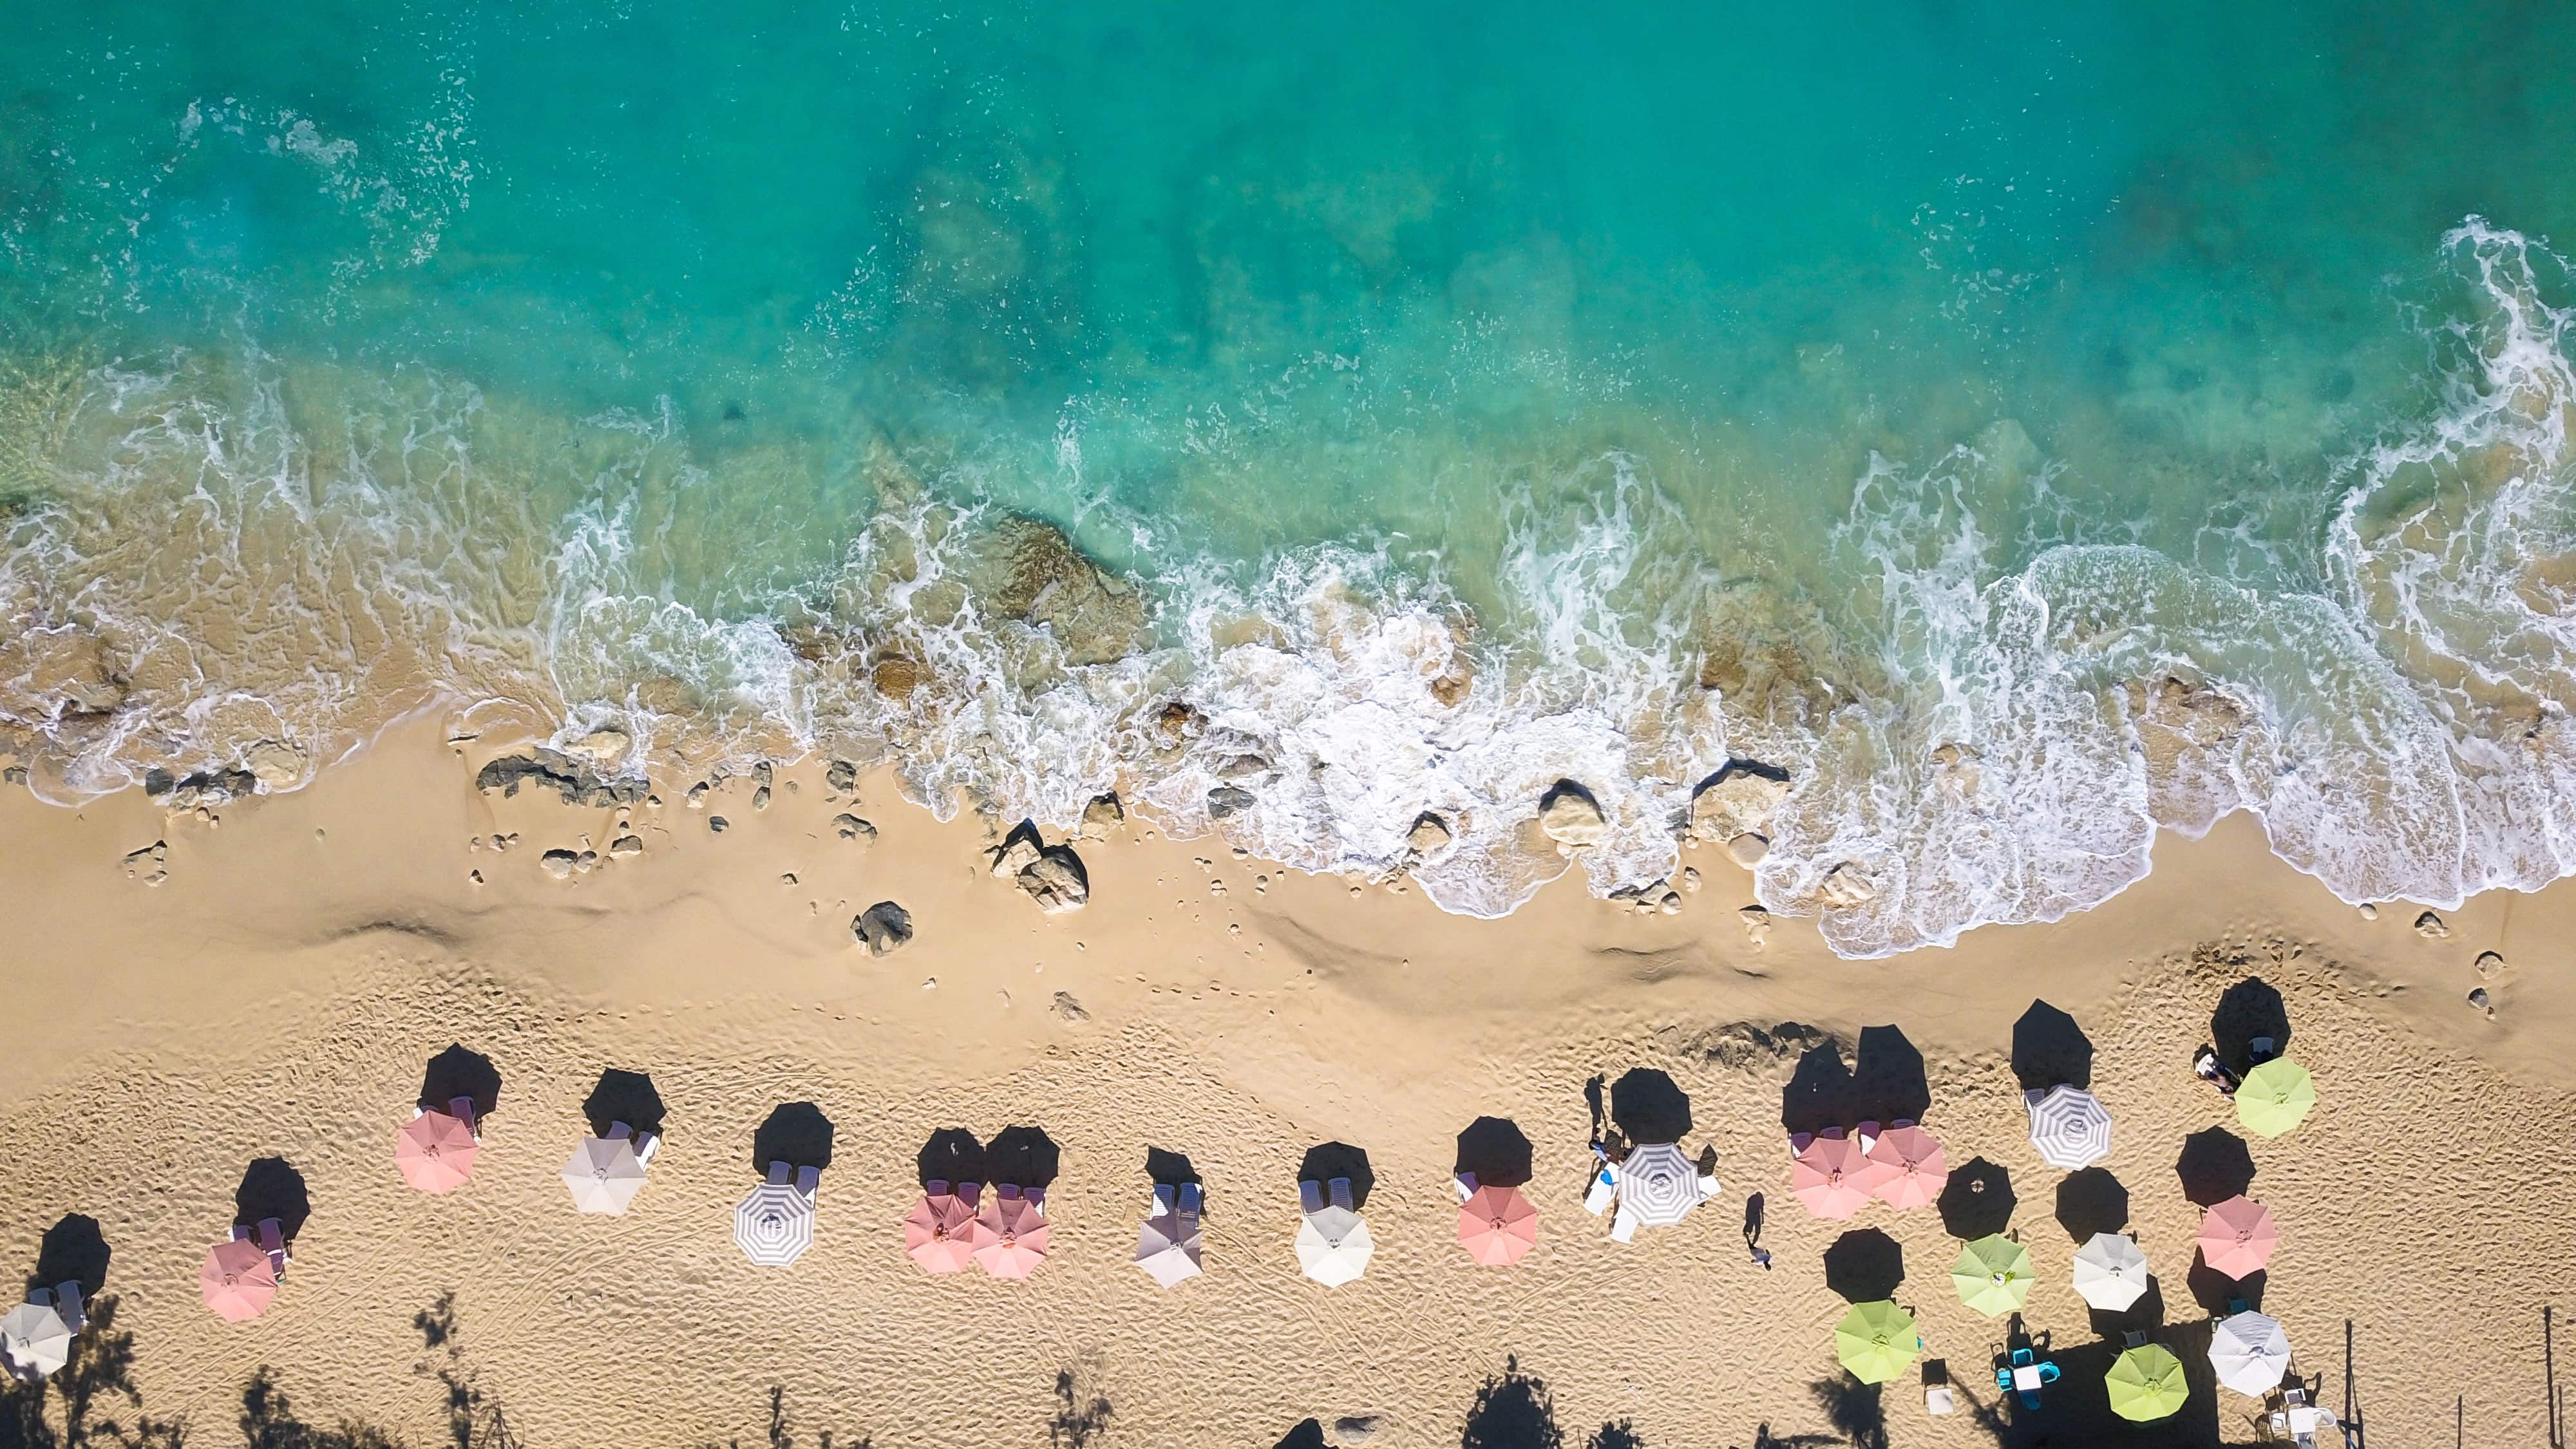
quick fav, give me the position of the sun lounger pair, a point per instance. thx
(272, 1241)
(65, 1299)
(646, 1143)
(806, 1178)
(1311, 1195)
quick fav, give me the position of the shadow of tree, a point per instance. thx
(1856, 1410)
(69, 1410)
(268, 1422)
(1079, 1417)
(1617, 1434)
(1513, 1410)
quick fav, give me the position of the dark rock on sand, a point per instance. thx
(883, 928)
(205, 787)
(575, 780)
(842, 776)
(1056, 880)
(852, 828)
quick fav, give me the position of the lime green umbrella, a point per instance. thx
(1876, 1341)
(1993, 1276)
(2275, 1097)
(2147, 1384)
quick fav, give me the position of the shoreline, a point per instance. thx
(278, 992)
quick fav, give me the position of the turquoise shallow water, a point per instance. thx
(1460, 398)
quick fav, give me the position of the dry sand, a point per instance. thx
(280, 990)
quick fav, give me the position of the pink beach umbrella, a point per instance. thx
(435, 1152)
(942, 1234)
(239, 1281)
(1912, 1169)
(2237, 1237)
(1017, 1241)
(1498, 1225)
(1833, 1178)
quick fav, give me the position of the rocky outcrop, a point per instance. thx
(1103, 815)
(1429, 836)
(1056, 880)
(851, 828)
(1227, 800)
(1028, 570)
(883, 928)
(575, 780)
(1569, 815)
(205, 787)
(1738, 800)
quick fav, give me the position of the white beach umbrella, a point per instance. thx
(1657, 1185)
(1168, 1247)
(34, 1339)
(2249, 1352)
(2110, 1271)
(774, 1224)
(2069, 1126)
(1333, 1246)
(604, 1174)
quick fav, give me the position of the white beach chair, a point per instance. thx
(1166, 1200)
(272, 1241)
(1310, 1197)
(807, 1179)
(1465, 1182)
(1340, 1188)
(1623, 1225)
(1605, 1187)
(646, 1144)
(1709, 1186)
(462, 1109)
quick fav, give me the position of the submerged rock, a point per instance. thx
(1749, 849)
(1226, 800)
(205, 787)
(1570, 816)
(276, 764)
(1027, 569)
(575, 780)
(602, 750)
(841, 776)
(1846, 886)
(1738, 800)
(1429, 836)
(883, 928)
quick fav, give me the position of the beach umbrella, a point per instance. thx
(2147, 1383)
(1168, 1247)
(1333, 1246)
(2249, 1353)
(1015, 1237)
(1498, 1225)
(1833, 1177)
(604, 1174)
(2275, 1097)
(1993, 1276)
(2110, 1271)
(2069, 1126)
(774, 1224)
(942, 1233)
(1913, 1170)
(2237, 1237)
(35, 1339)
(435, 1152)
(1657, 1185)
(239, 1280)
(1876, 1341)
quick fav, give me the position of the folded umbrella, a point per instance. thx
(1016, 1237)
(2110, 1271)
(238, 1279)
(2249, 1353)
(1498, 1225)
(2275, 1097)
(435, 1152)
(1876, 1341)
(2147, 1383)
(1834, 1178)
(942, 1233)
(2237, 1237)
(1913, 1168)
(1993, 1276)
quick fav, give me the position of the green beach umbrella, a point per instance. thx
(2275, 1097)
(1993, 1276)
(2147, 1384)
(1876, 1341)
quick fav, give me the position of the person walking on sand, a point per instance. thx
(2206, 1066)
(1753, 1233)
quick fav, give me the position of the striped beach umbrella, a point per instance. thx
(1876, 1341)
(2110, 1271)
(2275, 1097)
(2147, 1383)
(1657, 1185)
(2069, 1126)
(1993, 1276)
(774, 1224)
(2249, 1353)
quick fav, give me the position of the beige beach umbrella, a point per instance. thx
(604, 1174)
(1333, 1246)
(2110, 1271)
(34, 1340)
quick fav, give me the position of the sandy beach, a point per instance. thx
(277, 992)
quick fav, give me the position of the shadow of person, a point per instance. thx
(272, 1188)
(1821, 1091)
(623, 1096)
(2049, 1048)
(2146, 1315)
(457, 1072)
(2249, 1009)
(1864, 1265)
(1648, 1106)
(2216, 1292)
(796, 1133)
(1328, 1160)
(2091, 1201)
(1513, 1410)
(1022, 1157)
(1977, 1201)
(1496, 1151)
(72, 1248)
(1888, 1076)
(1308, 1434)
(953, 1156)
(1166, 1168)
(2215, 1165)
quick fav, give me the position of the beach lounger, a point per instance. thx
(67, 1302)
(646, 1145)
(781, 1171)
(1799, 1142)
(1166, 1200)
(1623, 1225)
(462, 1109)
(618, 1132)
(807, 1179)
(1937, 1395)
(1341, 1193)
(1310, 1197)
(1465, 1182)
(272, 1241)
(1189, 1199)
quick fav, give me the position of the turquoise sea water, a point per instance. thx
(1470, 397)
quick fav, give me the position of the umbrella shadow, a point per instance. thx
(2214, 1291)
(1977, 1201)
(623, 1096)
(72, 1248)
(2048, 1048)
(952, 1155)
(272, 1188)
(2215, 1165)
(460, 1072)
(1496, 1151)
(1165, 1168)
(1864, 1265)
(1308, 1434)
(796, 1133)
(2146, 1315)
(1888, 1076)
(1022, 1157)
(2091, 1201)
(1648, 1106)
(1821, 1091)
(1326, 1161)
(2251, 1008)
(1513, 1410)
